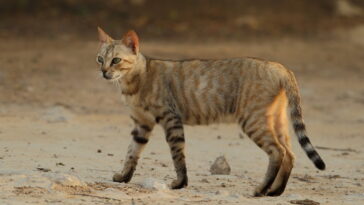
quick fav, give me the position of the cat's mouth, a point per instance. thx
(111, 76)
(116, 77)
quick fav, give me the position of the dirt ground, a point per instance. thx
(64, 130)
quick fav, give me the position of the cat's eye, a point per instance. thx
(115, 61)
(100, 60)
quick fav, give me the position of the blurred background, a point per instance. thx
(187, 20)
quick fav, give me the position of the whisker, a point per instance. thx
(99, 75)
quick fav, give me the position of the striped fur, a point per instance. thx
(299, 126)
(250, 92)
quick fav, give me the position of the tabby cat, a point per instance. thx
(251, 92)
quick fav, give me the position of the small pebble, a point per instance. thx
(220, 166)
(43, 169)
(59, 164)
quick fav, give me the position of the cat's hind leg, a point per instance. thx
(258, 128)
(281, 128)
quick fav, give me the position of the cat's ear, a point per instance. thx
(131, 40)
(103, 37)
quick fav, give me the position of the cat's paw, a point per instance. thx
(122, 178)
(259, 192)
(275, 193)
(179, 183)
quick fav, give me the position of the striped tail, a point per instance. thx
(298, 123)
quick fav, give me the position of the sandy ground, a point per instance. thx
(64, 131)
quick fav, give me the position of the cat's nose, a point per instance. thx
(105, 75)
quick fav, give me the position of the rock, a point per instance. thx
(69, 184)
(151, 183)
(68, 180)
(220, 166)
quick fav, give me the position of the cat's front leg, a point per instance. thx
(140, 137)
(173, 128)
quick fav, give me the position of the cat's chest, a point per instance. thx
(143, 105)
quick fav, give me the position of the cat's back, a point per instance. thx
(207, 76)
(229, 70)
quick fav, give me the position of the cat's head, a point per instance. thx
(117, 57)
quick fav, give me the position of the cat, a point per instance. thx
(251, 92)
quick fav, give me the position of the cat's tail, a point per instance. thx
(294, 103)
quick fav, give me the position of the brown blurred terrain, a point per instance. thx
(64, 129)
(188, 19)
